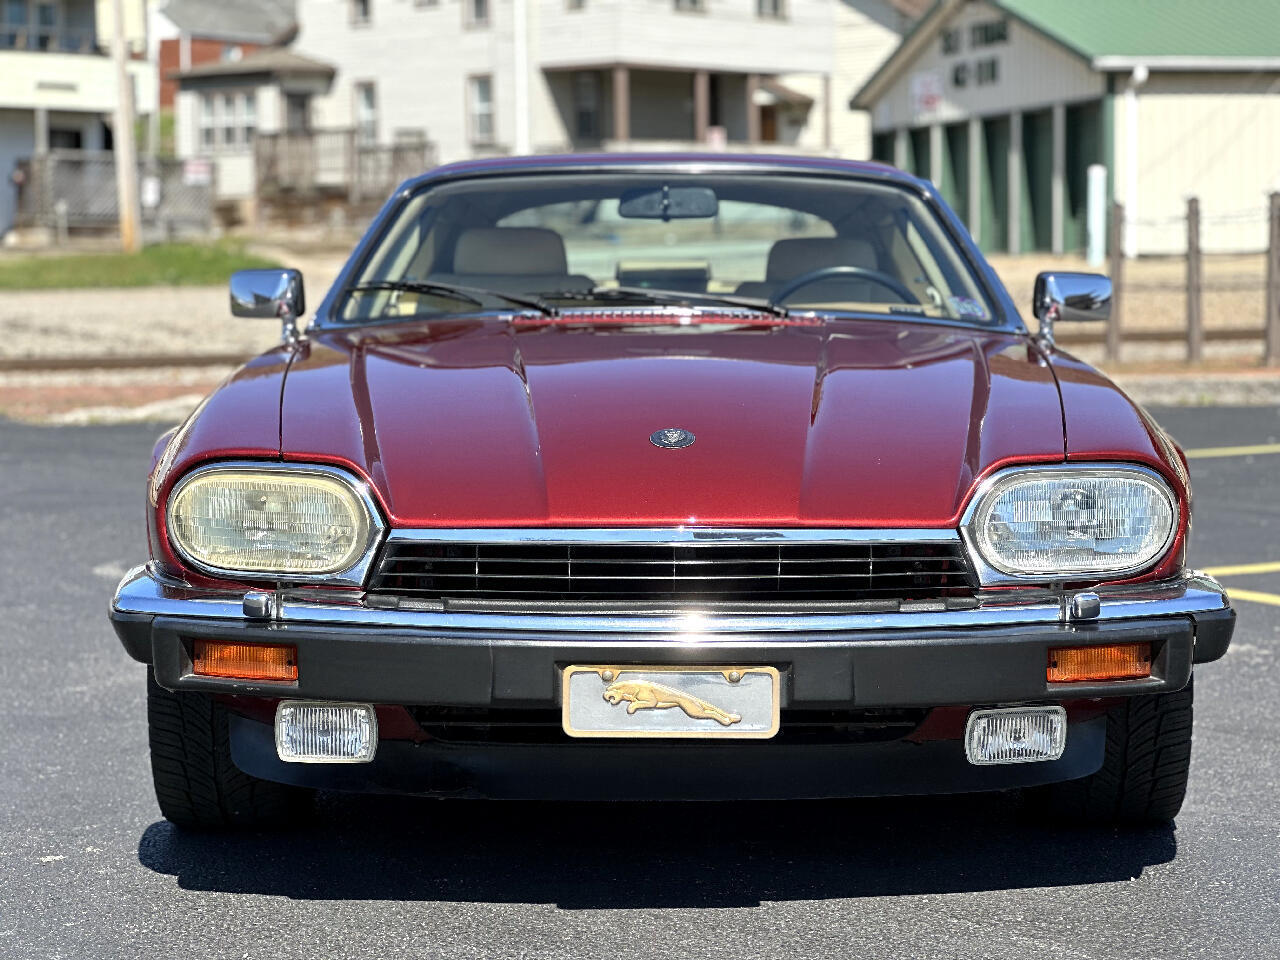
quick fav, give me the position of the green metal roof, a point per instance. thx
(1156, 28)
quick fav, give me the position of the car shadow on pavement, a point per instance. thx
(626, 856)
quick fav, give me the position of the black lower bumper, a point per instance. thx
(688, 770)
(890, 668)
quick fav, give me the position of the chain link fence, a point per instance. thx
(65, 190)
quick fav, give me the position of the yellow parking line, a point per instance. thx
(1243, 569)
(1255, 596)
(1255, 450)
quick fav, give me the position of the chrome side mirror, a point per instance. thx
(1070, 297)
(270, 293)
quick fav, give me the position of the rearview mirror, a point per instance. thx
(269, 293)
(669, 203)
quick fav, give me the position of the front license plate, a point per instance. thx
(677, 702)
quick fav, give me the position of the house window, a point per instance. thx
(208, 122)
(480, 108)
(227, 120)
(13, 25)
(771, 9)
(361, 12)
(366, 112)
(477, 12)
(231, 53)
(248, 116)
(586, 105)
(46, 36)
(690, 6)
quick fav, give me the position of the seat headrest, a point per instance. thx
(798, 256)
(510, 250)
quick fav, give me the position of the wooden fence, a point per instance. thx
(1127, 295)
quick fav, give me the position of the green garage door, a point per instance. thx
(955, 168)
(1084, 147)
(995, 185)
(920, 155)
(1037, 181)
(882, 147)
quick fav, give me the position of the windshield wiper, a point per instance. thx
(476, 295)
(651, 295)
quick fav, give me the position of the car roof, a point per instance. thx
(719, 161)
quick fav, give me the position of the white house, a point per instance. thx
(518, 76)
(57, 85)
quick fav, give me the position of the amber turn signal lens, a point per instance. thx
(1111, 661)
(245, 661)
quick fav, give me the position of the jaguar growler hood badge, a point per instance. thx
(672, 438)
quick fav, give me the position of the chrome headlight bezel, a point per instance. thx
(352, 575)
(991, 573)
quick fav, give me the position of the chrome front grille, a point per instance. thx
(743, 567)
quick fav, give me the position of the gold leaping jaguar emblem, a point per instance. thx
(643, 695)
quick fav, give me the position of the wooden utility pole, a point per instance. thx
(126, 154)
(1272, 323)
(1195, 282)
(1115, 237)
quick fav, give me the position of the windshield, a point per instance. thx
(806, 243)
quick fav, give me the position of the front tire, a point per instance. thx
(197, 785)
(1143, 779)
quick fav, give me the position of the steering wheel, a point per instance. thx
(886, 280)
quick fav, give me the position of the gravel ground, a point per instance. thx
(195, 320)
(146, 320)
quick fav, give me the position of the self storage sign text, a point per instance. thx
(982, 70)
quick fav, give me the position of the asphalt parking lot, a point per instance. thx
(89, 870)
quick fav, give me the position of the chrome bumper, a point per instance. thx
(993, 653)
(144, 594)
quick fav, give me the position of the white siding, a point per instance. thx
(1033, 73)
(234, 172)
(1215, 136)
(867, 33)
(726, 36)
(419, 57)
(421, 54)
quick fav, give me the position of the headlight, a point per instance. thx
(1068, 522)
(306, 523)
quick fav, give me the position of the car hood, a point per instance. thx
(851, 423)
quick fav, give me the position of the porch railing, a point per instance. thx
(335, 163)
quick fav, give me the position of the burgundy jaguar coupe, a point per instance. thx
(668, 477)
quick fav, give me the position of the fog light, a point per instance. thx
(309, 731)
(1015, 735)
